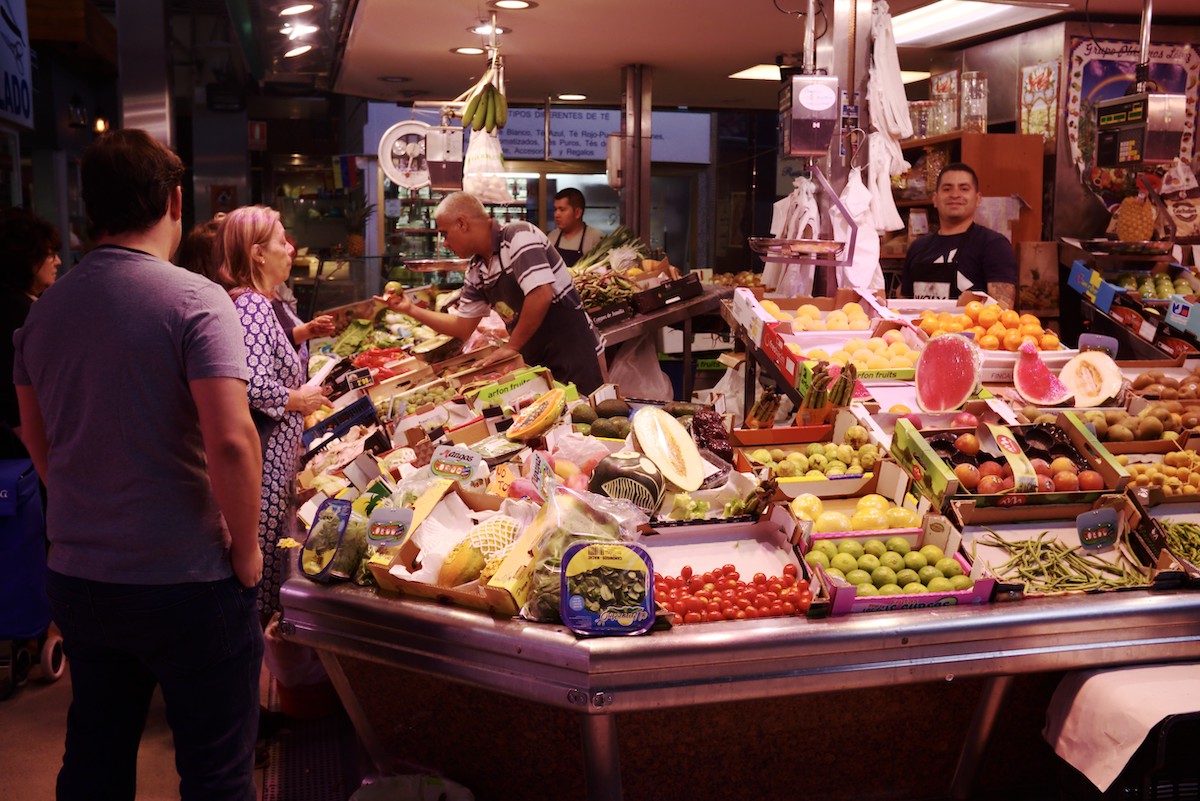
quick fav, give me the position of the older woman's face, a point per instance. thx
(276, 256)
(45, 274)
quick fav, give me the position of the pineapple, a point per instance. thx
(356, 213)
(1135, 220)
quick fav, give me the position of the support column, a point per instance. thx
(144, 67)
(635, 148)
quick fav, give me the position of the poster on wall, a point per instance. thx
(1104, 69)
(1037, 102)
(16, 98)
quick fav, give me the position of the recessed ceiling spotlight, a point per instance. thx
(295, 31)
(394, 78)
(468, 51)
(572, 96)
(485, 29)
(298, 51)
(292, 9)
(512, 5)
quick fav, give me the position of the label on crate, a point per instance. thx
(1097, 529)
(1024, 476)
(454, 461)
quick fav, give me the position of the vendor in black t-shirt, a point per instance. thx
(961, 255)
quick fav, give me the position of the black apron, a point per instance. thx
(939, 280)
(565, 342)
(571, 256)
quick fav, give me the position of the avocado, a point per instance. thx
(613, 407)
(603, 427)
(681, 408)
(582, 413)
(621, 424)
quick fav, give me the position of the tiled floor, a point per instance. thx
(310, 760)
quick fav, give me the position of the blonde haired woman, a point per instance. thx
(256, 258)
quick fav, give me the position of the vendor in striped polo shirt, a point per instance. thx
(516, 271)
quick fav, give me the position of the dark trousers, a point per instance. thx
(200, 642)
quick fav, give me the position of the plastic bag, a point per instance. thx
(567, 517)
(582, 451)
(635, 370)
(293, 665)
(483, 169)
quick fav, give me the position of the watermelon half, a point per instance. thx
(1034, 381)
(947, 373)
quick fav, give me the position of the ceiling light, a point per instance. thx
(512, 5)
(291, 9)
(572, 96)
(912, 76)
(468, 51)
(298, 51)
(948, 21)
(485, 29)
(296, 31)
(759, 72)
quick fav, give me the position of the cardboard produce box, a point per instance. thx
(1168, 557)
(936, 479)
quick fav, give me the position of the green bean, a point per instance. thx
(1047, 565)
(1183, 539)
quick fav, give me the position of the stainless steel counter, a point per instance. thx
(739, 660)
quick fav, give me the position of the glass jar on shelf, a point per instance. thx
(943, 117)
(974, 102)
(918, 114)
(935, 160)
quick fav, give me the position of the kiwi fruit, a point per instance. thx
(1150, 427)
(1119, 433)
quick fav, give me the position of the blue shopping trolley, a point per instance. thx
(24, 607)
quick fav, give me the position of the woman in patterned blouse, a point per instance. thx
(255, 257)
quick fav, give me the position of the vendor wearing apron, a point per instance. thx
(515, 271)
(568, 219)
(961, 255)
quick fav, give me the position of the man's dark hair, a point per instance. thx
(958, 166)
(128, 178)
(25, 243)
(572, 196)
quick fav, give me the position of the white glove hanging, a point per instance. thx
(864, 271)
(801, 219)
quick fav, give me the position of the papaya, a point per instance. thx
(464, 563)
(538, 417)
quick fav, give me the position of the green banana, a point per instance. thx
(481, 112)
(490, 120)
(501, 109)
(471, 109)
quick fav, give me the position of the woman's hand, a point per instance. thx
(307, 399)
(317, 327)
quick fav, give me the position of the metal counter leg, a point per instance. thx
(601, 757)
(358, 718)
(982, 720)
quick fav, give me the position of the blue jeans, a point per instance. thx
(200, 642)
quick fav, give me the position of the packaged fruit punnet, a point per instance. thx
(947, 373)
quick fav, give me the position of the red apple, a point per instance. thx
(1040, 466)
(968, 475)
(912, 418)
(1090, 480)
(990, 485)
(1062, 463)
(1007, 482)
(991, 469)
(1066, 481)
(967, 443)
(965, 420)
(1045, 484)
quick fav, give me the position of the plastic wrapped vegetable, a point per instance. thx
(709, 432)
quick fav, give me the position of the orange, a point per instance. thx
(1030, 319)
(973, 309)
(1012, 339)
(978, 331)
(1031, 340)
(1049, 341)
(965, 321)
(1010, 318)
(1031, 330)
(929, 325)
(952, 328)
(944, 317)
(927, 313)
(989, 315)
(998, 330)
(989, 342)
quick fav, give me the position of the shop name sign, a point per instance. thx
(16, 101)
(582, 134)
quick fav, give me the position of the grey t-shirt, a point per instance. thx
(109, 350)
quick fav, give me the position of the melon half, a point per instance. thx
(947, 373)
(667, 444)
(1093, 378)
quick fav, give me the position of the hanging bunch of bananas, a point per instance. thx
(486, 107)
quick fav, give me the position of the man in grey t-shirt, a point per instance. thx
(142, 434)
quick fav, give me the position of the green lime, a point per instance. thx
(914, 587)
(898, 544)
(939, 584)
(883, 575)
(857, 576)
(907, 576)
(928, 574)
(843, 562)
(851, 547)
(815, 557)
(915, 560)
(875, 547)
(893, 560)
(949, 566)
(865, 589)
(890, 589)
(868, 562)
(827, 547)
(932, 554)
(833, 571)
(961, 582)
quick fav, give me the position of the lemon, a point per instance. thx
(900, 517)
(853, 344)
(872, 501)
(809, 310)
(818, 354)
(832, 521)
(807, 503)
(876, 344)
(837, 325)
(868, 520)
(859, 324)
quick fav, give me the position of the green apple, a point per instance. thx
(392, 287)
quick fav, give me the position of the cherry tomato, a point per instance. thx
(685, 572)
(730, 614)
(743, 603)
(776, 608)
(727, 569)
(708, 578)
(751, 612)
(803, 600)
(694, 604)
(713, 617)
(791, 570)
(774, 586)
(692, 617)
(788, 581)
(714, 607)
(741, 615)
(733, 576)
(789, 608)
(764, 610)
(760, 578)
(695, 583)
